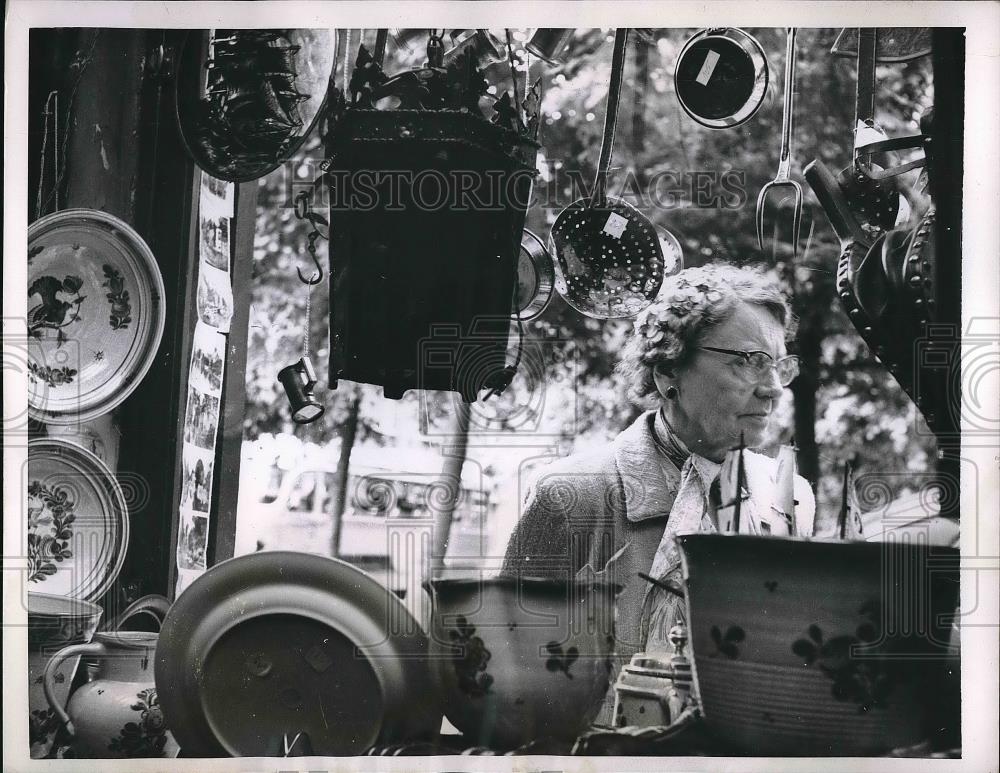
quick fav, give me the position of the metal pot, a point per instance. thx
(517, 658)
(813, 648)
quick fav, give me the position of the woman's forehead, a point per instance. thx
(749, 328)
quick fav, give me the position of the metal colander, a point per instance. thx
(609, 263)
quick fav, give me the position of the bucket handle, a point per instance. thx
(153, 605)
(48, 677)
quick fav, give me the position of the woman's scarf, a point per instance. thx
(697, 504)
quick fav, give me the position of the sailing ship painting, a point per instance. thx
(250, 111)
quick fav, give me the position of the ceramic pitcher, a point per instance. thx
(116, 713)
(54, 623)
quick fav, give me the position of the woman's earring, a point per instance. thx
(671, 393)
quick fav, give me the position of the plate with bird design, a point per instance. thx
(95, 314)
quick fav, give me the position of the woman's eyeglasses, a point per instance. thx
(757, 366)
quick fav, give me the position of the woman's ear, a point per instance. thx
(664, 378)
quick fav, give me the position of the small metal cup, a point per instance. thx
(549, 43)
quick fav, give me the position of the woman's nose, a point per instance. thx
(770, 387)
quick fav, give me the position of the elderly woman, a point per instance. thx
(710, 357)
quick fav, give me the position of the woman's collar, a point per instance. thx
(678, 452)
(649, 488)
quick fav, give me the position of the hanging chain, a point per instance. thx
(303, 212)
(305, 335)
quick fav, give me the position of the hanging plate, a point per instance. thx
(95, 314)
(246, 107)
(721, 77)
(535, 277)
(270, 647)
(76, 519)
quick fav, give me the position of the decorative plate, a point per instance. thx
(246, 105)
(295, 652)
(95, 314)
(77, 521)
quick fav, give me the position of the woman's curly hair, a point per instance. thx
(688, 305)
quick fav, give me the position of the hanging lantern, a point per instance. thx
(413, 270)
(298, 380)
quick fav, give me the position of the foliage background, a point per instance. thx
(861, 414)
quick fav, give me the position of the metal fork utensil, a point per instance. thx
(782, 179)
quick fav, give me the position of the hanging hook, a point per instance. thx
(302, 213)
(316, 278)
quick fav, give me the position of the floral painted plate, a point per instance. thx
(77, 521)
(95, 314)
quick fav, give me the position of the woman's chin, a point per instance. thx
(753, 429)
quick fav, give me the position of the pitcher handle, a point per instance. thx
(153, 605)
(48, 677)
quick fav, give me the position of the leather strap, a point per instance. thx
(864, 113)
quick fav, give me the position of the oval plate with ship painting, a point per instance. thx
(76, 521)
(245, 105)
(95, 314)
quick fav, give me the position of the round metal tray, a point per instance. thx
(271, 647)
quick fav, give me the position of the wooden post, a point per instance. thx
(451, 475)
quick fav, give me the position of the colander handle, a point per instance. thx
(610, 117)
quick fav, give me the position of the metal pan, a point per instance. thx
(721, 77)
(290, 644)
(535, 278)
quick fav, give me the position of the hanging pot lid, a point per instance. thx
(293, 650)
(535, 278)
(721, 77)
(246, 106)
(95, 314)
(76, 521)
